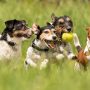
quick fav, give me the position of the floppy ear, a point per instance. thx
(24, 22)
(36, 28)
(48, 24)
(87, 28)
(10, 24)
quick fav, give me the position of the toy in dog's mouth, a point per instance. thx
(51, 43)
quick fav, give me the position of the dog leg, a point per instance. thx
(77, 66)
(76, 42)
(71, 56)
(44, 64)
(28, 60)
(88, 57)
(69, 52)
(59, 56)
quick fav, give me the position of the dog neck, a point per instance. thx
(39, 45)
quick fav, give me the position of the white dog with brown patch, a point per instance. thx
(44, 44)
(11, 39)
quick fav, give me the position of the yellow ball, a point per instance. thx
(67, 37)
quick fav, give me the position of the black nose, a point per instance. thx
(54, 37)
(69, 29)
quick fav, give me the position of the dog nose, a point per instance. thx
(69, 29)
(54, 37)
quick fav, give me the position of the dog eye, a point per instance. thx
(54, 31)
(46, 32)
(19, 25)
(61, 22)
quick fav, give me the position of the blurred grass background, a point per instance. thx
(13, 75)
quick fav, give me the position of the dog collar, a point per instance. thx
(38, 48)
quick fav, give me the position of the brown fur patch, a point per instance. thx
(82, 59)
(20, 33)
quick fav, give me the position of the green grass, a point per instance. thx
(13, 75)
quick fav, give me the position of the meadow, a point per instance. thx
(13, 76)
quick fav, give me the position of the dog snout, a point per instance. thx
(69, 29)
(54, 37)
(28, 33)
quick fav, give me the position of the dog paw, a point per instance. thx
(30, 63)
(59, 56)
(43, 64)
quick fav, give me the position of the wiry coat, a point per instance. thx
(11, 39)
(10, 52)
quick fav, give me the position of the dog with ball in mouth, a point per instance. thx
(63, 26)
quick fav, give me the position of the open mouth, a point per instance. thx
(50, 43)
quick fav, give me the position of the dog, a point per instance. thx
(83, 55)
(62, 25)
(44, 43)
(12, 37)
(63, 22)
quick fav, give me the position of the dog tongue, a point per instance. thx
(52, 45)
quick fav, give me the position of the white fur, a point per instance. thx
(59, 56)
(67, 50)
(8, 52)
(76, 40)
(87, 49)
(77, 66)
(34, 56)
(44, 64)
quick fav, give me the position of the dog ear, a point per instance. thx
(48, 24)
(10, 24)
(24, 22)
(36, 28)
(88, 28)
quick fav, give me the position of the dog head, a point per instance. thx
(17, 28)
(63, 22)
(47, 34)
(88, 32)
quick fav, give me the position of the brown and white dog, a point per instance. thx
(62, 25)
(45, 43)
(83, 54)
(11, 39)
